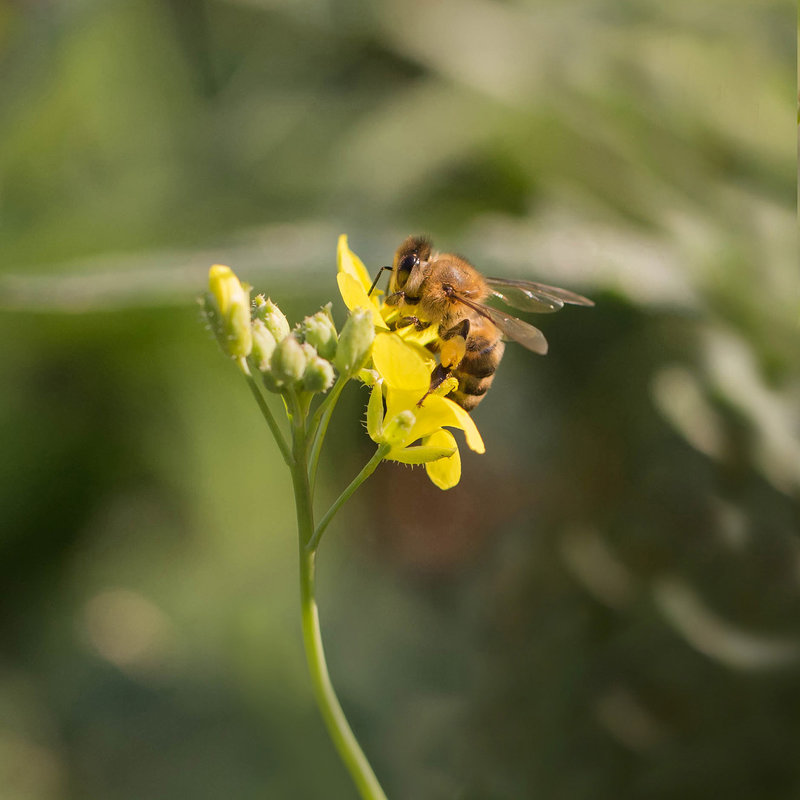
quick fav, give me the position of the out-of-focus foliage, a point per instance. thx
(607, 606)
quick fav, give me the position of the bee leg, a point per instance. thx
(395, 298)
(451, 354)
(418, 323)
(438, 377)
(454, 344)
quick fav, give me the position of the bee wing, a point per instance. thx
(532, 296)
(511, 327)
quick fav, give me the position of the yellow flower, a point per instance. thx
(354, 283)
(402, 371)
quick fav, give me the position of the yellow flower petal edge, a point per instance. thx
(473, 436)
(347, 261)
(446, 472)
(422, 453)
(375, 413)
(355, 296)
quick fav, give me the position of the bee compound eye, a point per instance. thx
(407, 263)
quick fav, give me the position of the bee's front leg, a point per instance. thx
(395, 298)
(419, 324)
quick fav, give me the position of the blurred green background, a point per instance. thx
(608, 606)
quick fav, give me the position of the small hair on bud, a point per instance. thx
(319, 331)
(327, 309)
(318, 376)
(269, 313)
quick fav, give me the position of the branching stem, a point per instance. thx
(319, 427)
(368, 469)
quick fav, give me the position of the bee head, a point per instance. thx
(413, 251)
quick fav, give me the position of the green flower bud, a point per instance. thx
(271, 316)
(318, 376)
(396, 432)
(288, 362)
(355, 342)
(368, 376)
(229, 306)
(310, 352)
(319, 331)
(263, 345)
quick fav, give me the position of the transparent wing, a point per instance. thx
(532, 296)
(510, 327)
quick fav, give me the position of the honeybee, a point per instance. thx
(430, 287)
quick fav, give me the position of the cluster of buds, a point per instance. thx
(258, 336)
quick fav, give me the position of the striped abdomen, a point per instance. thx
(475, 373)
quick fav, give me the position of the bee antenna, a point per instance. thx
(377, 277)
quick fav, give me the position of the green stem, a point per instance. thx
(319, 426)
(268, 416)
(322, 408)
(338, 728)
(368, 469)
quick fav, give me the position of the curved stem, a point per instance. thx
(340, 732)
(368, 469)
(343, 738)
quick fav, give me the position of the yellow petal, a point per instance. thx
(467, 424)
(436, 412)
(422, 454)
(400, 365)
(375, 413)
(446, 472)
(347, 261)
(427, 335)
(355, 296)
